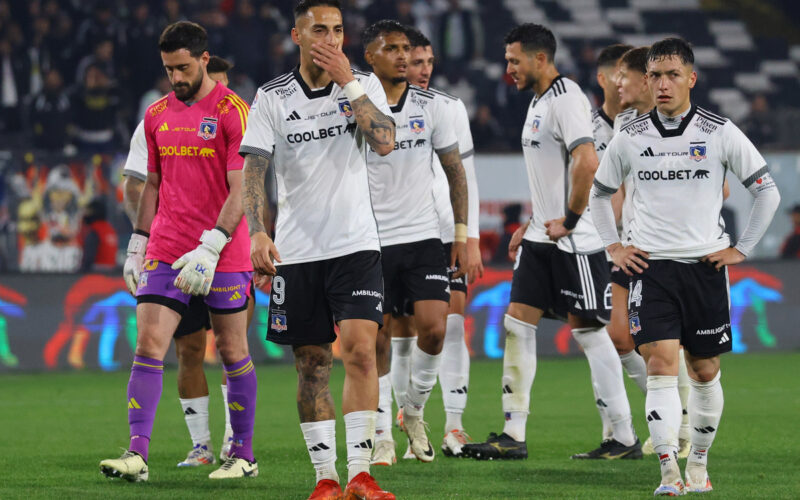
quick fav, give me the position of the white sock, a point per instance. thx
(195, 412)
(636, 369)
(360, 432)
(705, 410)
(453, 422)
(519, 370)
(607, 373)
(228, 428)
(454, 373)
(608, 430)
(683, 391)
(383, 423)
(321, 443)
(424, 369)
(663, 411)
(400, 372)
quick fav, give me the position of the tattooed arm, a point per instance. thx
(378, 129)
(457, 179)
(262, 249)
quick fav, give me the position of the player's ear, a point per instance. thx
(368, 57)
(295, 36)
(692, 79)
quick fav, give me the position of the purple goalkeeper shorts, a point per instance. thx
(229, 291)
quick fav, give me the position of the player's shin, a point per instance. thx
(144, 392)
(242, 389)
(454, 372)
(636, 369)
(705, 410)
(195, 413)
(321, 443)
(663, 412)
(424, 370)
(683, 390)
(519, 370)
(401, 367)
(360, 435)
(383, 426)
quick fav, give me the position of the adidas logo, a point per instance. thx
(705, 430)
(235, 406)
(319, 447)
(133, 404)
(601, 403)
(366, 445)
(379, 307)
(235, 296)
(460, 390)
(164, 127)
(653, 416)
(578, 305)
(602, 147)
(507, 389)
(294, 116)
(190, 411)
(647, 152)
(724, 338)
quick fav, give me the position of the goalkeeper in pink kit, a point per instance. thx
(190, 239)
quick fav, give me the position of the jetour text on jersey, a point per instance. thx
(323, 133)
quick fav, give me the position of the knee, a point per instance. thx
(360, 359)
(230, 350)
(659, 365)
(190, 351)
(705, 372)
(149, 346)
(311, 363)
(433, 329)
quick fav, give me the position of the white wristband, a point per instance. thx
(353, 90)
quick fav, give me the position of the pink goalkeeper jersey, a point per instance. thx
(193, 148)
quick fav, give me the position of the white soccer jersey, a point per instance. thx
(620, 121)
(136, 163)
(319, 158)
(441, 189)
(603, 131)
(401, 182)
(678, 176)
(558, 121)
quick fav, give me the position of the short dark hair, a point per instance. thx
(533, 37)
(184, 35)
(305, 5)
(382, 27)
(611, 54)
(671, 47)
(636, 59)
(416, 38)
(216, 64)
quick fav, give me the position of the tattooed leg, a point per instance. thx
(314, 401)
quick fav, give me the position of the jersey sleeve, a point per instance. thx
(234, 124)
(573, 119)
(136, 163)
(463, 132)
(443, 135)
(259, 136)
(153, 159)
(741, 156)
(613, 167)
(374, 89)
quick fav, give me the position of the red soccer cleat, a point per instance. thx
(327, 489)
(364, 487)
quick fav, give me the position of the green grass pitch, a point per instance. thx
(55, 428)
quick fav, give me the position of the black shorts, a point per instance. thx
(413, 272)
(194, 318)
(559, 282)
(618, 276)
(309, 298)
(688, 302)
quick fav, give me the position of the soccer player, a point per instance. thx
(561, 268)
(413, 256)
(454, 371)
(314, 125)
(193, 137)
(190, 336)
(678, 251)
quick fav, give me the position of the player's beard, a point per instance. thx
(184, 91)
(529, 83)
(398, 80)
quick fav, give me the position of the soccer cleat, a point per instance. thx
(684, 447)
(647, 447)
(364, 487)
(675, 489)
(611, 449)
(383, 454)
(201, 454)
(417, 432)
(454, 441)
(398, 420)
(235, 467)
(130, 466)
(697, 480)
(497, 447)
(227, 442)
(409, 454)
(327, 489)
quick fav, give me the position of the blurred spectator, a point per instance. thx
(143, 61)
(102, 57)
(14, 83)
(95, 110)
(65, 51)
(511, 223)
(102, 25)
(48, 114)
(53, 254)
(247, 38)
(98, 239)
(487, 134)
(40, 53)
(791, 245)
(172, 12)
(759, 126)
(60, 205)
(460, 38)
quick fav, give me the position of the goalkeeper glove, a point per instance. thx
(198, 266)
(135, 261)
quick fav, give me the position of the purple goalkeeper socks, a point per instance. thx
(242, 386)
(144, 391)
